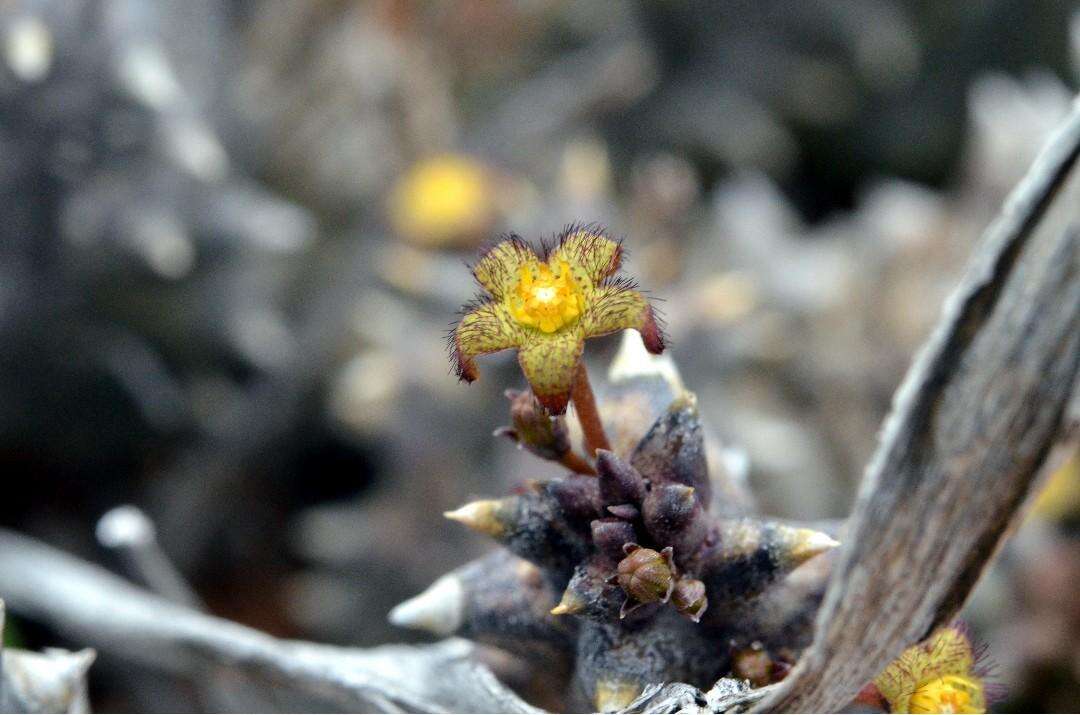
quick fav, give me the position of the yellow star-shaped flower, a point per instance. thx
(547, 306)
(937, 676)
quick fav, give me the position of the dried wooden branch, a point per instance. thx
(973, 421)
(49, 682)
(87, 603)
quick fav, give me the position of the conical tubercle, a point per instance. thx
(591, 592)
(619, 482)
(610, 535)
(531, 524)
(439, 610)
(673, 450)
(743, 557)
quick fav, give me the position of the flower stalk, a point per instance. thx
(587, 413)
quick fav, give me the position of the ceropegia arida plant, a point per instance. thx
(640, 565)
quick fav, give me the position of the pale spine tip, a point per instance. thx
(570, 604)
(439, 610)
(478, 516)
(810, 543)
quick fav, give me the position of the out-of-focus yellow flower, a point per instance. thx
(1061, 495)
(444, 200)
(547, 306)
(936, 676)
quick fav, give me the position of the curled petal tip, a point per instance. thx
(651, 333)
(438, 610)
(464, 367)
(479, 516)
(629, 606)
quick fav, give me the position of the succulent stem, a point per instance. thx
(589, 417)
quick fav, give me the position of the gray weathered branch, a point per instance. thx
(971, 424)
(727, 695)
(49, 682)
(89, 604)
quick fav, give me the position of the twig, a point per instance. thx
(129, 532)
(973, 421)
(49, 682)
(87, 603)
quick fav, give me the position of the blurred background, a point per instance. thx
(233, 235)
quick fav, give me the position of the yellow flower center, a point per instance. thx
(948, 694)
(545, 299)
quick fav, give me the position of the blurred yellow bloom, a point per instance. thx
(547, 307)
(443, 200)
(1060, 497)
(936, 676)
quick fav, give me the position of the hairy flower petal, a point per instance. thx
(618, 306)
(488, 328)
(593, 255)
(549, 364)
(499, 268)
(547, 307)
(942, 666)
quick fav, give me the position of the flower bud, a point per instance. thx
(534, 429)
(689, 598)
(753, 664)
(646, 575)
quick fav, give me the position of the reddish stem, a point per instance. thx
(589, 417)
